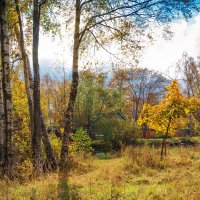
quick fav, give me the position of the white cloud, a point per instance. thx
(161, 56)
(53, 53)
(164, 54)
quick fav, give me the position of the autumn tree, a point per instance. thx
(144, 86)
(23, 41)
(139, 86)
(194, 107)
(189, 72)
(38, 128)
(163, 117)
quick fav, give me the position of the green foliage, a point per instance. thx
(116, 132)
(102, 105)
(94, 100)
(82, 141)
(101, 146)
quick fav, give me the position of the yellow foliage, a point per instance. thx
(21, 115)
(193, 105)
(171, 108)
(62, 130)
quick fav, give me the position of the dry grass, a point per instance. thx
(137, 174)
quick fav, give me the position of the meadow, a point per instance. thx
(134, 173)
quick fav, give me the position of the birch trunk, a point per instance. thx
(1, 108)
(36, 137)
(63, 186)
(73, 92)
(20, 39)
(1, 117)
(51, 160)
(6, 88)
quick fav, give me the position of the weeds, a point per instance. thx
(137, 174)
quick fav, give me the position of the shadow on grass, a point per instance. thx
(63, 185)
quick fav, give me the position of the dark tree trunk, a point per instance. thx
(51, 163)
(163, 146)
(89, 127)
(135, 113)
(64, 160)
(144, 130)
(36, 137)
(190, 126)
(73, 92)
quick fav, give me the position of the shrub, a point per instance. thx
(56, 144)
(82, 141)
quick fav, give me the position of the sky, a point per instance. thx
(162, 55)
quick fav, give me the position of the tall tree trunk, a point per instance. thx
(135, 112)
(51, 163)
(20, 39)
(1, 121)
(1, 117)
(89, 127)
(190, 125)
(1, 107)
(6, 88)
(36, 137)
(73, 92)
(63, 186)
(51, 160)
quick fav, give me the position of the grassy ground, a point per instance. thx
(137, 174)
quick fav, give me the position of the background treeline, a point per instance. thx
(107, 107)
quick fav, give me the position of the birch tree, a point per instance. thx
(51, 160)
(6, 90)
(1, 114)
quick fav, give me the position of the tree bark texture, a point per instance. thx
(164, 147)
(36, 137)
(73, 92)
(1, 111)
(51, 160)
(6, 88)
